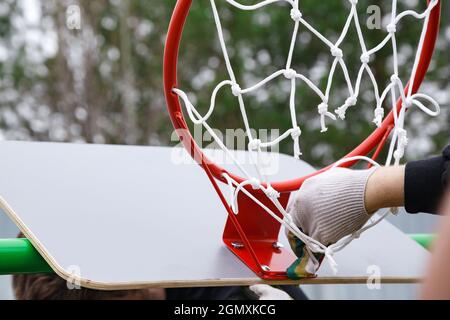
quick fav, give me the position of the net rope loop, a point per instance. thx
(395, 90)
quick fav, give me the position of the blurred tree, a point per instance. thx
(103, 82)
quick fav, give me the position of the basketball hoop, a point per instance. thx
(253, 233)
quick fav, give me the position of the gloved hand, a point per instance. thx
(331, 205)
(327, 207)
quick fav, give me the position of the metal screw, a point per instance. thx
(265, 268)
(237, 245)
(277, 245)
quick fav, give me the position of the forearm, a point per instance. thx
(385, 189)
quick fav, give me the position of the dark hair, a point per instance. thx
(53, 287)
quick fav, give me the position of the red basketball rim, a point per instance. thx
(376, 139)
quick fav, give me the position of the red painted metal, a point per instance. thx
(380, 147)
(251, 234)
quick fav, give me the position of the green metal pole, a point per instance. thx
(425, 240)
(19, 256)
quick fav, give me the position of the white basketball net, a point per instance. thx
(396, 89)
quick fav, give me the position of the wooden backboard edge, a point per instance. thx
(236, 282)
(241, 282)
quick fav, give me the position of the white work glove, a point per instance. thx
(266, 292)
(331, 205)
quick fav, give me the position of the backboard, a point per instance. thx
(123, 217)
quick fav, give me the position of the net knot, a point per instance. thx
(254, 145)
(351, 101)
(296, 133)
(323, 111)
(236, 89)
(402, 143)
(379, 115)
(391, 28)
(290, 74)
(296, 15)
(395, 78)
(341, 111)
(272, 193)
(337, 52)
(323, 108)
(399, 153)
(255, 183)
(409, 102)
(365, 58)
(402, 136)
(329, 254)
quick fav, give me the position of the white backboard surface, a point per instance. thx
(129, 217)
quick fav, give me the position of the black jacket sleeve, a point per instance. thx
(425, 182)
